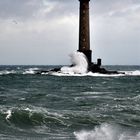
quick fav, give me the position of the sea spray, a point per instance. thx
(107, 132)
(79, 64)
(104, 132)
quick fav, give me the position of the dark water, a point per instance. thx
(54, 107)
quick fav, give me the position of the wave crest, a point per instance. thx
(32, 117)
(79, 64)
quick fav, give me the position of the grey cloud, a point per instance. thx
(31, 8)
(21, 9)
(116, 7)
(25, 9)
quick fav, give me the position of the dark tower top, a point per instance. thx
(84, 33)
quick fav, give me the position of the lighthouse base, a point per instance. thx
(96, 68)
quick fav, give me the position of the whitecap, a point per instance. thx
(9, 114)
(6, 72)
(31, 71)
(28, 109)
(106, 132)
(22, 99)
(132, 73)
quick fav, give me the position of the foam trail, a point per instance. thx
(79, 64)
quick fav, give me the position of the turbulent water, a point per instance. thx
(57, 106)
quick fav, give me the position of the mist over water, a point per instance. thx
(59, 106)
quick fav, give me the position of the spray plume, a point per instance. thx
(79, 64)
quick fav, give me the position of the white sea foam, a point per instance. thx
(28, 109)
(122, 73)
(103, 75)
(133, 73)
(30, 71)
(79, 62)
(42, 110)
(106, 132)
(126, 73)
(5, 72)
(85, 74)
(9, 114)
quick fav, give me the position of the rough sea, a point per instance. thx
(55, 106)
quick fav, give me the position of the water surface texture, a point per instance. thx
(55, 106)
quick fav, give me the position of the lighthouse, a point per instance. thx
(84, 39)
(84, 42)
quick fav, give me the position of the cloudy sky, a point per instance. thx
(46, 31)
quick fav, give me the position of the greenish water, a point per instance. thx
(69, 107)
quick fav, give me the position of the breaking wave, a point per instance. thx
(107, 132)
(22, 117)
(79, 64)
(30, 71)
(5, 72)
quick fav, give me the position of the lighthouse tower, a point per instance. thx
(84, 29)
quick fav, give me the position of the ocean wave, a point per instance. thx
(19, 71)
(79, 64)
(6, 72)
(135, 98)
(31, 116)
(107, 132)
(31, 71)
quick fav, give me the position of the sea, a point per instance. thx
(60, 106)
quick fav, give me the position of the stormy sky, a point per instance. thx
(45, 32)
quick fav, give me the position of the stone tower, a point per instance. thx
(84, 29)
